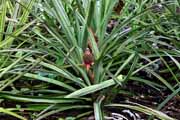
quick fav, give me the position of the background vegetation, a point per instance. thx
(134, 47)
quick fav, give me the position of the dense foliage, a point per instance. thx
(82, 59)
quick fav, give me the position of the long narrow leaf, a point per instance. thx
(2, 19)
(143, 109)
(6, 111)
(92, 88)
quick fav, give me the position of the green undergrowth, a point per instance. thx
(42, 49)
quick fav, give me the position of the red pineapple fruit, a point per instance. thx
(88, 59)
